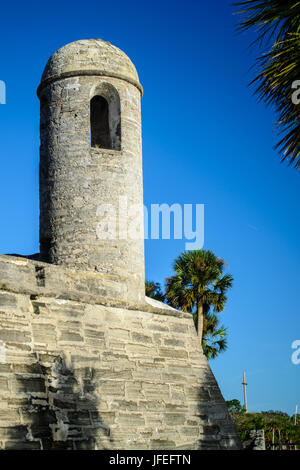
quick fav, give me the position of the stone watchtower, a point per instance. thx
(91, 164)
(86, 360)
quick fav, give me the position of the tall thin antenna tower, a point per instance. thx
(245, 392)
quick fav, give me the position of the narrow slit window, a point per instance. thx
(100, 130)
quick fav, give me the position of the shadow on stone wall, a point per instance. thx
(60, 410)
(218, 430)
(59, 406)
(210, 432)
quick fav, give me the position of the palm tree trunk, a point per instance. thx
(200, 319)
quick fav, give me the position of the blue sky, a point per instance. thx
(206, 140)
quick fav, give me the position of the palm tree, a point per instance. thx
(153, 290)
(199, 283)
(214, 340)
(277, 23)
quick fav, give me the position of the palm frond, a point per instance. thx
(279, 65)
(214, 339)
(153, 290)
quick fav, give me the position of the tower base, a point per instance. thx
(82, 370)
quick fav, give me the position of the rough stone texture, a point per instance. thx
(86, 362)
(90, 56)
(77, 181)
(83, 375)
(256, 440)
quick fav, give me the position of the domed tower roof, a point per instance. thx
(89, 57)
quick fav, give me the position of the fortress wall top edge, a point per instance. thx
(36, 278)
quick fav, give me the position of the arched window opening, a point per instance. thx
(100, 131)
(44, 102)
(44, 112)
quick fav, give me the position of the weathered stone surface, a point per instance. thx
(73, 195)
(79, 394)
(256, 440)
(87, 362)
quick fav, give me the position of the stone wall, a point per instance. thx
(256, 440)
(91, 199)
(78, 372)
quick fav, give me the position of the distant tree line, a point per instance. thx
(281, 432)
